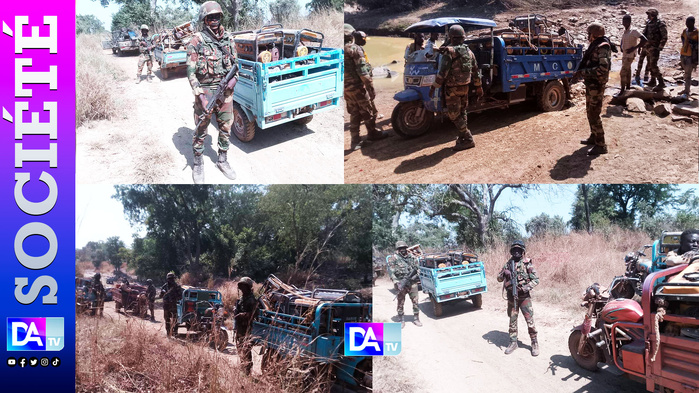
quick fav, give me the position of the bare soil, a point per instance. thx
(523, 145)
(152, 141)
(465, 347)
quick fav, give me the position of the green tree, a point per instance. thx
(317, 5)
(390, 203)
(133, 14)
(284, 10)
(113, 251)
(88, 24)
(543, 224)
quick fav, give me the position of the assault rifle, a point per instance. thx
(217, 99)
(513, 279)
(407, 281)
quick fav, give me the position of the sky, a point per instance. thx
(99, 216)
(104, 14)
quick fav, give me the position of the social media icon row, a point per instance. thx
(33, 362)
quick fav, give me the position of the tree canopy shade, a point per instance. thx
(88, 24)
(247, 230)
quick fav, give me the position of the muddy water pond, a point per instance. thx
(387, 52)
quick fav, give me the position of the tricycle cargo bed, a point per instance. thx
(290, 89)
(454, 282)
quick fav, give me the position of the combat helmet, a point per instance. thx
(170, 275)
(144, 27)
(246, 280)
(401, 244)
(209, 8)
(652, 12)
(518, 244)
(456, 31)
(595, 29)
(149, 281)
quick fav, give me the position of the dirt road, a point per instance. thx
(152, 142)
(463, 351)
(523, 145)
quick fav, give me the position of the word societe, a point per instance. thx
(26, 155)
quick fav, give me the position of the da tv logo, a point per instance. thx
(34, 334)
(372, 339)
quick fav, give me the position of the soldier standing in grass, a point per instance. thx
(145, 48)
(243, 313)
(359, 92)
(525, 278)
(401, 266)
(210, 56)
(594, 69)
(150, 294)
(629, 45)
(98, 290)
(656, 33)
(457, 69)
(171, 292)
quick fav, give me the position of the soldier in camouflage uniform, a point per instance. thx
(210, 55)
(98, 290)
(150, 294)
(457, 69)
(594, 68)
(359, 92)
(171, 292)
(656, 33)
(525, 279)
(243, 313)
(145, 47)
(400, 267)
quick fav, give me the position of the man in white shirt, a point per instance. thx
(629, 45)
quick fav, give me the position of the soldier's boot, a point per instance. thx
(402, 321)
(224, 166)
(511, 348)
(416, 320)
(535, 347)
(198, 169)
(377, 135)
(589, 141)
(638, 80)
(661, 83)
(138, 79)
(652, 82)
(356, 142)
(463, 142)
(646, 76)
(597, 150)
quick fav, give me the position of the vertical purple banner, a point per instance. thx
(37, 195)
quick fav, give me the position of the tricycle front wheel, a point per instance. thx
(590, 354)
(411, 119)
(243, 128)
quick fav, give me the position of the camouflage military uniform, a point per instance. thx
(245, 304)
(526, 277)
(209, 58)
(150, 294)
(456, 71)
(656, 33)
(596, 75)
(359, 90)
(98, 290)
(171, 292)
(145, 44)
(400, 267)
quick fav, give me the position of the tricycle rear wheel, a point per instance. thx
(243, 128)
(552, 98)
(218, 339)
(411, 119)
(304, 120)
(590, 354)
(436, 306)
(477, 300)
(163, 73)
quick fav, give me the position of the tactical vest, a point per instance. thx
(461, 66)
(654, 33)
(213, 60)
(144, 49)
(352, 72)
(402, 267)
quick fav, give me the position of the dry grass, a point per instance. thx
(568, 264)
(95, 76)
